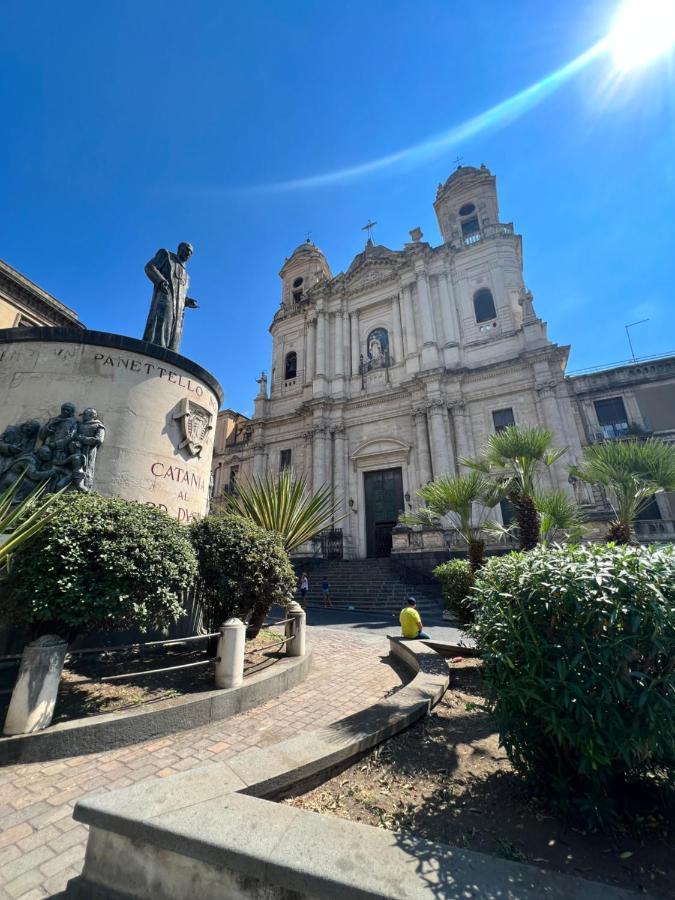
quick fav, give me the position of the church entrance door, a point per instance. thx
(384, 501)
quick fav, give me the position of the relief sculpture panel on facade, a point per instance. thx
(61, 452)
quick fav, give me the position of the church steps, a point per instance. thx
(371, 585)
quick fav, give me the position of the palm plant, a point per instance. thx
(285, 505)
(465, 500)
(560, 518)
(20, 520)
(514, 457)
(631, 473)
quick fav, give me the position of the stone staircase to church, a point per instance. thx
(370, 585)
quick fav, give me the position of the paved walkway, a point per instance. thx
(41, 846)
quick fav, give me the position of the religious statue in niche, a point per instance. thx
(66, 457)
(377, 346)
(167, 272)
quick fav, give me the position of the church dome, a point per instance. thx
(460, 173)
(307, 250)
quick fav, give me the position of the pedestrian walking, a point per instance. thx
(304, 588)
(325, 590)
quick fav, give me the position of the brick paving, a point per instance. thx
(41, 846)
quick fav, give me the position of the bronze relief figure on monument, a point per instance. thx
(167, 272)
(66, 457)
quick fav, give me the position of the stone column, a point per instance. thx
(259, 458)
(230, 662)
(409, 333)
(448, 312)
(429, 349)
(309, 448)
(463, 433)
(311, 351)
(34, 696)
(320, 443)
(422, 446)
(396, 330)
(338, 346)
(441, 450)
(356, 350)
(320, 366)
(340, 468)
(554, 423)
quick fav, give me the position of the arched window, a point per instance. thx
(291, 365)
(297, 289)
(484, 305)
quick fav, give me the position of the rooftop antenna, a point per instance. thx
(369, 228)
(630, 343)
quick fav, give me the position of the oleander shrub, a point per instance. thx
(456, 580)
(99, 563)
(241, 566)
(578, 645)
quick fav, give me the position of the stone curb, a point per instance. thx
(212, 833)
(112, 730)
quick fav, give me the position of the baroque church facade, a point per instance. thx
(387, 375)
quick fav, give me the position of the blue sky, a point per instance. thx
(131, 126)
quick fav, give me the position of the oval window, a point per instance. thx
(297, 282)
(467, 209)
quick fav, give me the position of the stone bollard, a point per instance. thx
(231, 645)
(296, 646)
(34, 697)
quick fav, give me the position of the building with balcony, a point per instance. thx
(25, 305)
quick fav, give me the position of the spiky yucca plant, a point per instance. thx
(514, 457)
(465, 500)
(631, 472)
(20, 521)
(286, 505)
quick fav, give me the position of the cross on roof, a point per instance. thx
(369, 228)
(307, 237)
(459, 161)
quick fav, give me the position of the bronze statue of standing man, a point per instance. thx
(167, 272)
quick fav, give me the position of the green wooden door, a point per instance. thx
(384, 501)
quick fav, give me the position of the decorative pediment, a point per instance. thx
(380, 447)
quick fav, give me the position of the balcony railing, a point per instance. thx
(497, 229)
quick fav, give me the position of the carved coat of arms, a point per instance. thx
(195, 424)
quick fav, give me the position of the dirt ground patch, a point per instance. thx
(80, 697)
(446, 779)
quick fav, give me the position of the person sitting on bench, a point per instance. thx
(411, 623)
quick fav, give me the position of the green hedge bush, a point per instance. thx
(456, 580)
(100, 563)
(241, 565)
(578, 645)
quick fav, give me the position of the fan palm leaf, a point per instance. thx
(560, 518)
(631, 472)
(514, 457)
(464, 500)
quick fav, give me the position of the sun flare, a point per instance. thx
(642, 30)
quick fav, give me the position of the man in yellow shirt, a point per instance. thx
(411, 623)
